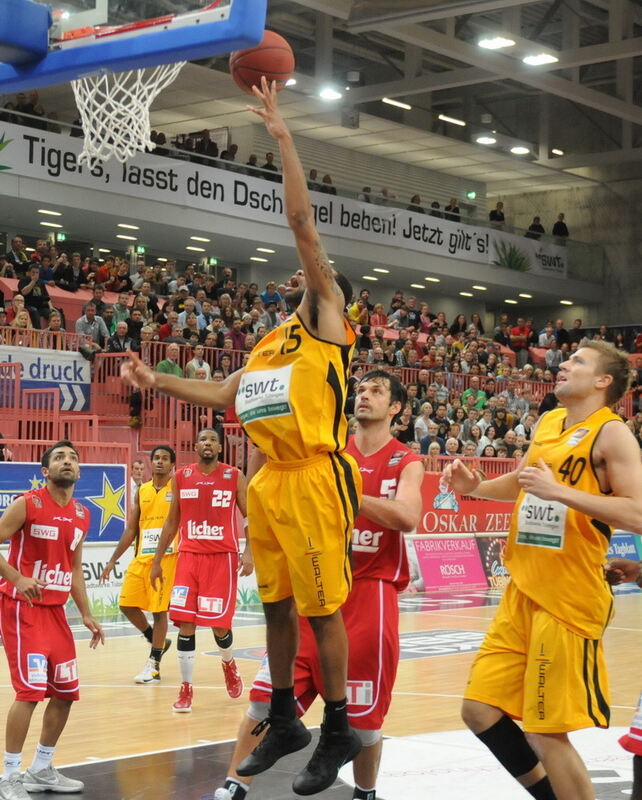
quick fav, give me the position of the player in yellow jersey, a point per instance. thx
(542, 659)
(303, 501)
(144, 526)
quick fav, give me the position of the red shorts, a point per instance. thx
(40, 650)
(204, 590)
(371, 617)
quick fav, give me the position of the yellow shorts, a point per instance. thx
(536, 670)
(137, 589)
(300, 518)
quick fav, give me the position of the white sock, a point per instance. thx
(42, 758)
(11, 763)
(227, 653)
(186, 663)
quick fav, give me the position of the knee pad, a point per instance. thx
(258, 710)
(507, 742)
(368, 738)
(186, 643)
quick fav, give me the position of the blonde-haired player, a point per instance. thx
(542, 659)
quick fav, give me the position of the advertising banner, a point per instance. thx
(53, 369)
(449, 563)
(53, 157)
(101, 489)
(625, 545)
(491, 553)
(448, 513)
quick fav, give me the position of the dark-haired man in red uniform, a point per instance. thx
(45, 529)
(203, 511)
(392, 475)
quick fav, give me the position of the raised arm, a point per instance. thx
(323, 302)
(201, 393)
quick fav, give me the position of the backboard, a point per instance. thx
(67, 39)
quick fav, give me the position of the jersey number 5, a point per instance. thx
(292, 341)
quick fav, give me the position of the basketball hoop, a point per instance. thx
(114, 109)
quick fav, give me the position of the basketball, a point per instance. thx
(273, 57)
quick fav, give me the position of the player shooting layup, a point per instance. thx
(302, 504)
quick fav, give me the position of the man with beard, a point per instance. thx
(45, 529)
(203, 512)
(542, 660)
(302, 504)
(391, 503)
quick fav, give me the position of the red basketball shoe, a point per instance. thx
(233, 680)
(184, 703)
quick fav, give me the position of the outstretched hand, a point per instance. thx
(457, 477)
(270, 113)
(137, 374)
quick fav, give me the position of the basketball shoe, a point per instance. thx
(284, 736)
(50, 780)
(184, 703)
(333, 750)
(150, 672)
(233, 680)
(12, 788)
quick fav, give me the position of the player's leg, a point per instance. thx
(186, 653)
(636, 792)
(235, 787)
(63, 690)
(495, 693)
(182, 612)
(224, 641)
(632, 743)
(17, 727)
(365, 766)
(567, 773)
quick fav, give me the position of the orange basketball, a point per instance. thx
(273, 57)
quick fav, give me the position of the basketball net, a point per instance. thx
(114, 110)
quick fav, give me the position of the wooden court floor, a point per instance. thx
(116, 718)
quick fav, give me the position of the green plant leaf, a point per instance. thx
(510, 256)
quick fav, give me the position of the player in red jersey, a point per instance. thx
(203, 511)
(623, 570)
(391, 502)
(45, 529)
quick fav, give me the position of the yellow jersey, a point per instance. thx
(154, 508)
(555, 554)
(292, 394)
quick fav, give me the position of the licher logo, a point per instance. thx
(203, 530)
(366, 541)
(56, 578)
(4, 143)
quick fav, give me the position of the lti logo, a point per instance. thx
(4, 143)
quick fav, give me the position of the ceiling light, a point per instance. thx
(390, 102)
(330, 261)
(50, 213)
(381, 269)
(539, 59)
(417, 286)
(104, 250)
(566, 302)
(29, 250)
(195, 249)
(557, 152)
(466, 294)
(519, 150)
(452, 120)
(486, 140)
(161, 259)
(433, 280)
(481, 288)
(129, 238)
(369, 278)
(129, 227)
(259, 259)
(511, 302)
(471, 195)
(495, 43)
(527, 296)
(329, 93)
(199, 239)
(291, 82)
(51, 224)
(264, 250)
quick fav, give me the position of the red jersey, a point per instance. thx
(208, 509)
(379, 552)
(44, 547)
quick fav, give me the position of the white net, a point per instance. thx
(114, 110)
